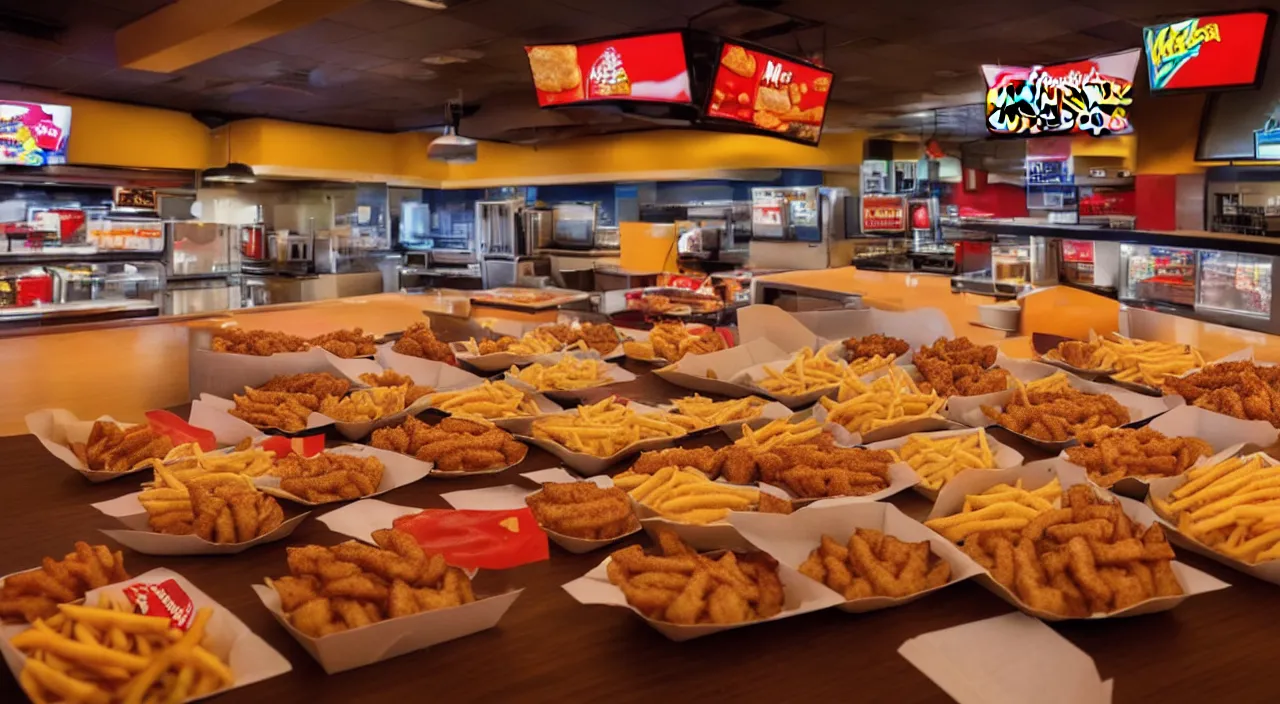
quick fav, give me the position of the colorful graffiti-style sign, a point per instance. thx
(1206, 53)
(1078, 98)
(1170, 47)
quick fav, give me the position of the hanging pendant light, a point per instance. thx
(233, 172)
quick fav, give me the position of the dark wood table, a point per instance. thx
(1213, 648)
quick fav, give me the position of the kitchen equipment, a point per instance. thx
(537, 227)
(575, 225)
(200, 249)
(799, 214)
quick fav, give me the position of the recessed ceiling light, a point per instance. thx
(442, 60)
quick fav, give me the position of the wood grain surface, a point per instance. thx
(549, 648)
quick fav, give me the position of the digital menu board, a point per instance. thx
(1089, 97)
(33, 134)
(641, 68)
(776, 94)
(1212, 52)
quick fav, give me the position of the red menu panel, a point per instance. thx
(770, 93)
(647, 68)
(1214, 51)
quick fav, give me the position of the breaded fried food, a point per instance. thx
(261, 343)
(274, 409)
(672, 341)
(453, 445)
(112, 447)
(808, 471)
(686, 588)
(352, 584)
(872, 563)
(35, 594)
(601, 337)
(346, 343)
(703, 459)
(329, 476)
(1111, 454)
(960, 368)
(390, 377)
(1238, 389)
(961, 350)
(583, 510)
(874, 345)
(501, 344)
(365, 404)
(1058, 416)
(318, 384)
(1128, 360)
(419, 341)
(220, 508)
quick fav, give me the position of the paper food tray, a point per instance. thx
(692, 371)
(720, 535)
(963, 408)
(590, 465)
(56, 429)
(212, 414)
(250, 658)
(917, 327)
(139, 537)
(901, 478)
(398, 470)
(803, 595)
(507, 497)
(753, 375)
(437, 473)
(613, 374)
(1002, 455)
(635, 335)
(393, 637)
(223, 374)
(424, 372)
(790, 540)
(770, 411)
(928, 424)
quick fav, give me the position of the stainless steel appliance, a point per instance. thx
(800, 214)
(202, 265)
(538, 226)
(575, 225)
(499, 241)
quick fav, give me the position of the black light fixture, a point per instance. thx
(233, 172)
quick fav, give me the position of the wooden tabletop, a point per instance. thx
(1219, 646)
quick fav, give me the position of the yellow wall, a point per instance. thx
(907, 151)
(1167, 128)
(114, 134)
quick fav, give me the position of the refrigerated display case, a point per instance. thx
(80, 290)
(881, 253)
(1235, 283)
(1163, 275)
(1018, 264)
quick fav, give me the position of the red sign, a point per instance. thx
(1081, 97)
(884, 214)
(770, 92)
(165, 599)
(647, 68)
(1078, 251)
(1206, 53)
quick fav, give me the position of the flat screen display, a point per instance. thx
(1089, 97)
(642, 68)
(1212, 52)
(770, 93)
(33, 134)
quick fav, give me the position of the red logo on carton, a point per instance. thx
(163, 599)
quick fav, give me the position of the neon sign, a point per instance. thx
(1206, 53)
(1084, 97)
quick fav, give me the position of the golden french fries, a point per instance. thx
(365, 404)
(1002, 507)
(937, 460)
(1057, 382)
(685, 495)
(807, 371)
(780, 433)
(1232, 507)
(718, 412)
(104, 653)
(568, 374)
(492, 399)
(1129, 360)
(602, 429)
(866, 365)
(186, 461)
(889, 400)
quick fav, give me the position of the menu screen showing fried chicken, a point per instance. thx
(770, 93)
(647, 68)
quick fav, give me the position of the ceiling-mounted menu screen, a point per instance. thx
(33, 134)
(1081, 97)
(640, 68)
(769, 92)
(1211, 52)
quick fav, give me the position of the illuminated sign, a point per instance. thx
(884, 214)
(33, 134)
(1207, 53)
(644, 68)
(1082, 97)
(771, 93)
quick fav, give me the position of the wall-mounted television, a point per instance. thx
(1210, 52)
(769, 92)
(632, 68)
(33, 134)
(1090, 97)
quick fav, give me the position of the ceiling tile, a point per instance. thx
(382, 15)
(439, 34)
(17, 64)
(68, 74)
(318, 34)
(384, 46)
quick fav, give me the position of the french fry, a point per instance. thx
(1133, 361)
(602, 429)
(938, 460)
(1232, 507)
(807, 371)
(778, 433)
(889, 400)
(865, 365)
(492, 399)
(533, 342)
(718, 412)
(685, 495)
(1057, 382)
(1002, 507)
(568, 374)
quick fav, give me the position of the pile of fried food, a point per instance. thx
(350, 585)
(391, 378)
(366, 405)
(686, 495)
(328, 476)
(720, 412)
(807, 371)
(583, 510)
(600, 337)
(346, 343)
(453, 445)
(112, 447)
(1057, 415)
(1087, 557)
(419, 341)
(960, 368)
(894, 398)
(872, 352)
(1133, 361)
(35, 594)
(939, 460)
(784, 432)
(682, 587)
(218, 507)
(604, 428)
(1111, 454)
(567, 374)
(670, 341)
(260, 343)
(1238, 389)
(1232, 507)
(537, 341)
(286, 401)
(490, 400)
(872, 563)
(107, 653)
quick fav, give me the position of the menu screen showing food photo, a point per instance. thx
(770, 93)
(646, 68)
(1090, 97)
(1206, 53)
(33, 134)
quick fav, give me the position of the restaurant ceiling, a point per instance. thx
(388, 65)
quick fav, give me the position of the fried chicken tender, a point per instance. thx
(495, 346)
(352, 584)
(672, 341)
(221, 512)
(35, 594)
(703, 459)
(1238, 389)
(454, 445)
(961, 350)
(419, 341)
(261, 343)
(1111, 454)
(875, 564)
(960, 368)
(1058, 416)
(317, 384)
(115, 448)
(390, 377)
(583, 510)
(329, 476)
(274, 409)
(874, 345)
(346, 343)
(808, 471)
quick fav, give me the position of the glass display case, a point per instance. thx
(78, 290)
(1235, 283)
(1018, 264)
(1158, 274)
(881, 253)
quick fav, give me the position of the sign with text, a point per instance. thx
(1081, 97)
(643, 68)
(884, 214)
(770, 92)
(135, 198)
(33, 134)
(1212, 52)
